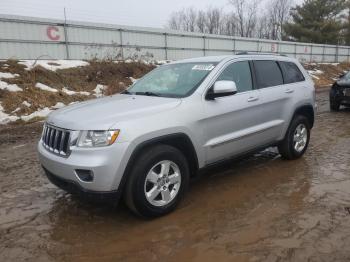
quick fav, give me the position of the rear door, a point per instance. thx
(273, 96)
(295, 89)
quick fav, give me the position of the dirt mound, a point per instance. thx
(41, 88)
(324, 74)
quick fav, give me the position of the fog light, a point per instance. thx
(85, 175)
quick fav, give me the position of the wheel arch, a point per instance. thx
(308, 112)
(180, 141)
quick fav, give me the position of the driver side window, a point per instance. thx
(240, 73)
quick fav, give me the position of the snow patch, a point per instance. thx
(333, 64)
(6, 118)
(162, 62)
(315, 72)
(133, 80)
(53, 65)
(39, 113)
(16, 110)
(9, 87)
(45, 87)
(25, 103)
(71, 92)
(58, 105)
(99, 90)
(8, 75)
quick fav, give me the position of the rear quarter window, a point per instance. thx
(291, 73)
(268, 73)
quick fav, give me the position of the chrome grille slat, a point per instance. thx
(55, 143)
(44, 133)
(56, 140)
(47, 135)
(52, 136)
(62, 141)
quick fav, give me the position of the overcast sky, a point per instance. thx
(151, 13)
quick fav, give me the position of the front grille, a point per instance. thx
(56, 140)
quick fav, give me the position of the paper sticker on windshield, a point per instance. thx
(206, 67)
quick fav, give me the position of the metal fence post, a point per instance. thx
(66, 34)
(295, 50)
(324, 54)
(311, 53)
(234, 45)
(204, 46)
(121, 43)
(166, 45)
(337, 54)
(66, 40)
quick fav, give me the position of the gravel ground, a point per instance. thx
(261, 208)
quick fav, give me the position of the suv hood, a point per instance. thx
(343, 83)
(103, 113)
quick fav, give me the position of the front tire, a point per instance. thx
(297, 139)
(157, 182)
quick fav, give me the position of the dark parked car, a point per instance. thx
(340, 92)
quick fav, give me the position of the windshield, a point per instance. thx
(174, 80)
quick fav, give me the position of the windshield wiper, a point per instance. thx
(147, 93)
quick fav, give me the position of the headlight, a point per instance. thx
(97, 138)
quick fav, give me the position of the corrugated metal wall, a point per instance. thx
(34, 38)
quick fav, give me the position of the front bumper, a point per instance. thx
(76, 189)
(107, 165)
(338, 96)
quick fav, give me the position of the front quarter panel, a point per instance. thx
(184, 120)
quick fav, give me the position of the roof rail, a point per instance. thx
(259, 53)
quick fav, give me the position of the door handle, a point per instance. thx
(252, 99)
(289, 91)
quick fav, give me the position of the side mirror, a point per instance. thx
(221, 89)
(342, 75)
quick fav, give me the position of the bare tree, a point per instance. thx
(191, 18)
(263, 28)
(175, 21)
(228, 24)
(278, 12)
(244, 20)
(185, 19)
(201, 21)
(246, 16)
(214, 16)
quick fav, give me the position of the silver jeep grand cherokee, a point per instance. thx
(146, 143)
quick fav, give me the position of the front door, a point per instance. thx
(232, 122)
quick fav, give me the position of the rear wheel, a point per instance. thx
(297, 138)
(157, 181)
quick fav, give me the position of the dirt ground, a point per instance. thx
(260, 209)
